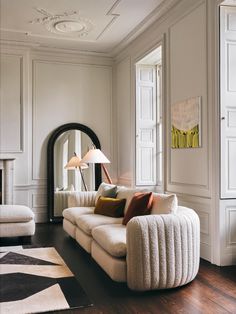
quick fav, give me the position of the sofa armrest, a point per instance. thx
(163, 251)
(82, 199)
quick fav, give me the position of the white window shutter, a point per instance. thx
(228, 103)
(146, 124)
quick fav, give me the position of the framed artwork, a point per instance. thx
(186, 123)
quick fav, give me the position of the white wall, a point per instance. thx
(183, 33)
(43, 91)
(124, 120)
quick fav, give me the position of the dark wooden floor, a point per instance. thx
(213, 290)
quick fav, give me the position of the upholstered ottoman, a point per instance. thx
(16, 221)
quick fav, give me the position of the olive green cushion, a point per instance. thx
(112, 207)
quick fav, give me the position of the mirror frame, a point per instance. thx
(50, 163)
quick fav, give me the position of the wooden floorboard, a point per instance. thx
(212, 292)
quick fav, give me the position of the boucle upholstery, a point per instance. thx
(73, 213)
(83, 199)
(114, 267)
(69, 227)
(112, 238)
(83, 239)
(18, 229)
(158, 251)
(16, 221)
(163, 250)
(90, 221)
(15, 213)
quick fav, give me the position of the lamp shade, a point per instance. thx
(75, 162)
(95, 156)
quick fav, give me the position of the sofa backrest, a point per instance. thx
(162, 204)
(81, 199)
(128, 193)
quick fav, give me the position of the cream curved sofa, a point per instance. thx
(150, 252)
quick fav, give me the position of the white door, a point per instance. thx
(228, 101)
(146, 125)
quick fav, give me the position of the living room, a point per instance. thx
(54, 73)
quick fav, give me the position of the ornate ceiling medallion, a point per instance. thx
(64, 24)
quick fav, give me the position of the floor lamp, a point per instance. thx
(76, 163)
(95, 156)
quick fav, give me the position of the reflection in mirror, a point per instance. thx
(69, 174)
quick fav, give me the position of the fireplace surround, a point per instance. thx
(7, 179)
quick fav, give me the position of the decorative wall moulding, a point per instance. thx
(7, 180)
(68, 24)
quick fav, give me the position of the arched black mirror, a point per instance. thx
(65, 142)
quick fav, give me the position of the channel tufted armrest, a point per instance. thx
(163, 251)
(82, 199)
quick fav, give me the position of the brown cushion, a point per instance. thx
(112, 207)
(141, 204)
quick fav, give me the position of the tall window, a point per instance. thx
(149, 120)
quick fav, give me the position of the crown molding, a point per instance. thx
(35, 47)
(160, 10)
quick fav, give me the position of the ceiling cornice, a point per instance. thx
(39, 48)
(160, 11)
(148, 21)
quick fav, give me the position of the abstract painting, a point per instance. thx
(186, 123)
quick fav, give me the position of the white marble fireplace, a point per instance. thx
(7, 179)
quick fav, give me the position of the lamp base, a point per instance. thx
(106, 174)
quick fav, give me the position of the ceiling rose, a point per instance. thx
(63, 24)
(68, 26)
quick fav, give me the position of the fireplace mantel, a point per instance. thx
(7, 170)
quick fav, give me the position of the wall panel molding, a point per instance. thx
(36, 63)
(202, 189)
(203, 207)
(228, 237)
(231, 225)
(12, 63)
(39, 200)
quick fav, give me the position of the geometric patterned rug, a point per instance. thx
(36, 280)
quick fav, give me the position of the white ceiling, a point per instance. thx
(97, 25)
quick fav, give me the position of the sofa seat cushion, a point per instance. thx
(73, 213)
(90, 221)
(112, 238)
(15, 213)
